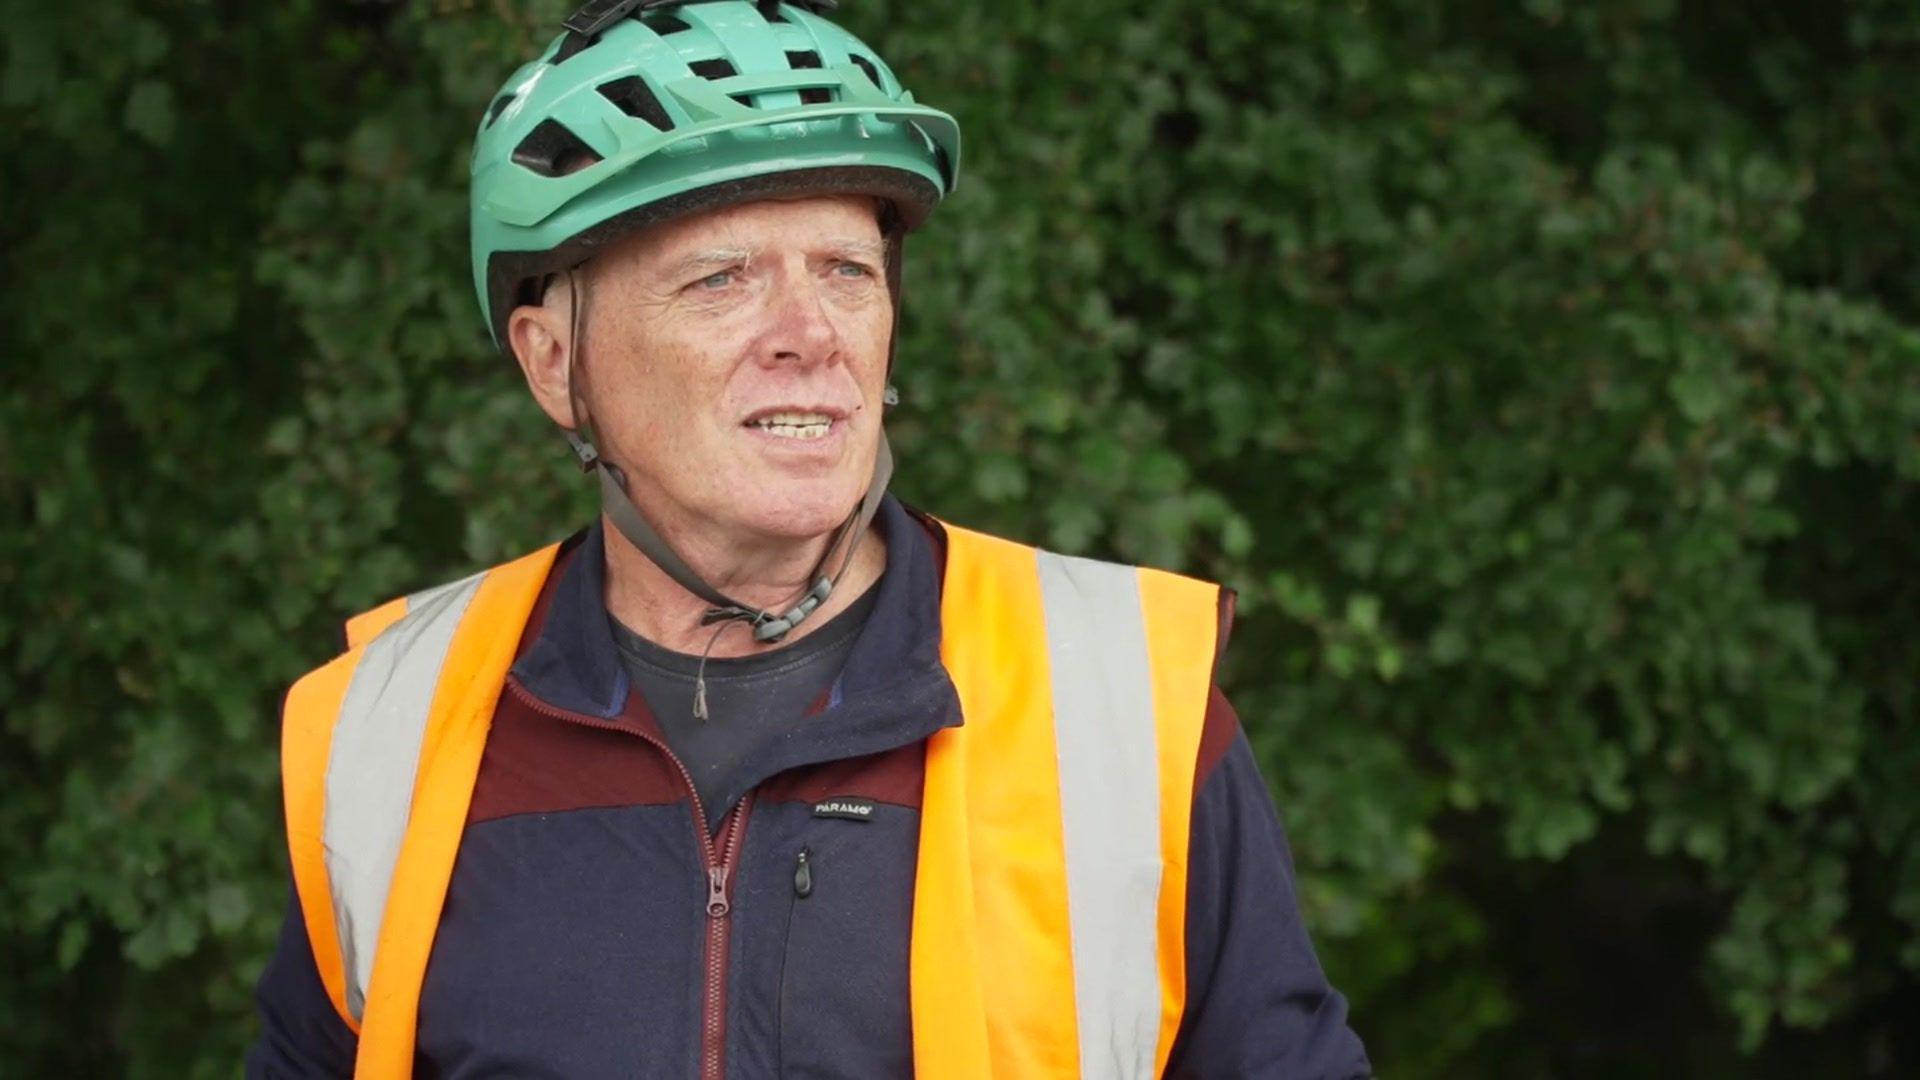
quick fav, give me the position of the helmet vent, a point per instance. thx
(666, 24)
(499, 106)
(573, 46)
(551, 149)
(812, 95)
(770, 9)
(713, 69)
(636, 99)
(866, 65)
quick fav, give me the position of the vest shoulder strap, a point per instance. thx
(379, 749)
(367, 625)
(1051, 888)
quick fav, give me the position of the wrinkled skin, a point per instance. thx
(695, 328)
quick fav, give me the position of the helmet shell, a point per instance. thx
(680, 109)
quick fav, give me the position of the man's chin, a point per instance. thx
(796, 510)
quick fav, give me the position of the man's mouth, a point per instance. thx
(790, 424)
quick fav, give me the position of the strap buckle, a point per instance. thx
(595, 16)
(582, 449)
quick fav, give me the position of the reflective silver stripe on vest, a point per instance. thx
(376, 752)
(1109, 807)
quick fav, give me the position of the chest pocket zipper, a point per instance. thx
(802, 877)
(802, 888)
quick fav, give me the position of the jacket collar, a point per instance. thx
(892, 690)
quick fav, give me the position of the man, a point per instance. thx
(764, 773)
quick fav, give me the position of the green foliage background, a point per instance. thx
(1545, 376)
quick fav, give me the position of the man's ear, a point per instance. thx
(541, 338)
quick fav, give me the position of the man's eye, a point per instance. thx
(857, 270)
(718, 280)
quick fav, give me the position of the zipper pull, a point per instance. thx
(717, 905)
(803, 877)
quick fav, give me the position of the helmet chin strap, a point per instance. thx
(768, 625)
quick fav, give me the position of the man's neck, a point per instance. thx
(650, 603)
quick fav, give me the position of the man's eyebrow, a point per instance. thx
(686, 267)
(855, 247)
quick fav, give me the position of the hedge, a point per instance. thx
(1545, 377)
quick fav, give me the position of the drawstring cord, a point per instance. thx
(700, 675)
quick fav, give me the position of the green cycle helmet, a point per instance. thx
(645, 110)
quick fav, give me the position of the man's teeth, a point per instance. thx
(794, 425)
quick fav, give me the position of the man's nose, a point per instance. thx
(802, 324)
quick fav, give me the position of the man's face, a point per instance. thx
(735, 362)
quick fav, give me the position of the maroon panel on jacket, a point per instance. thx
(893, 776)
(1216, 736)
(1221, 723)
(536, 764)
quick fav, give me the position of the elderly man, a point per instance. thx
(765, 773)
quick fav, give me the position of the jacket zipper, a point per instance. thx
(720, 858)
(714, 1043)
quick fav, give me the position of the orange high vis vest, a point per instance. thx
(1049, 916)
